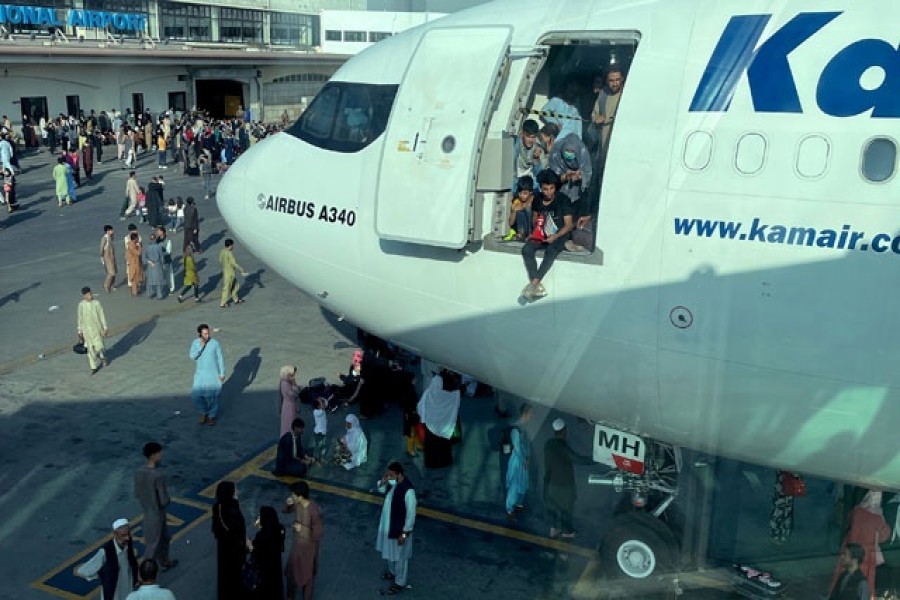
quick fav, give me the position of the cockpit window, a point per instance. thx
(346, 117)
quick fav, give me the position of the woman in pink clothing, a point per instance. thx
(287, 397)
(868, 529)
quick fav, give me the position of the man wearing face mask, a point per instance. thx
(398, 516)
(570, 159)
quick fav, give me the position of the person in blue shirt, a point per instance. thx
(209, 374)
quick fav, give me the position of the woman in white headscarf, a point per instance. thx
(868, 529)
(352, 449)
(438, 409)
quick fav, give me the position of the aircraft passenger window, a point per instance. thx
(879, 160)
(346, 117)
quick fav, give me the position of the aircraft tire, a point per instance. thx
(637, 546)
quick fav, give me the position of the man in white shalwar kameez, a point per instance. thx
(92, 329)
(114, 563)
(395, 529)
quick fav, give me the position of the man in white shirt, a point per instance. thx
(149, 589)
(114, 563)
(395, 528)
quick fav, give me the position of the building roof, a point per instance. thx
(38, 51)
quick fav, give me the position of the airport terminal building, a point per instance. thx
(66, 56)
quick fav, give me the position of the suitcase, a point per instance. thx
(754, 584)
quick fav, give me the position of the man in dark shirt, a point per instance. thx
(554, 212)
(852, 584)
(559, 481)
(290, 458)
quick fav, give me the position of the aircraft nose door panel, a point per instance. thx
(435, 133)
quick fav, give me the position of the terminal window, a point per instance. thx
(240, 25)
(191, 22)
(354, 36)
(377, 36)
(120, 6)
(290, 29)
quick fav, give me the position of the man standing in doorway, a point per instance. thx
(108, 258)
(559, 481)
(115, 564)
(605, 108)
(229, 280)
(92, 329)
(395, 529)
(209, 374)
(151, 491)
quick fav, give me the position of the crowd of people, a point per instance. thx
(558, 170)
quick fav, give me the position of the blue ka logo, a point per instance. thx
(772, 86)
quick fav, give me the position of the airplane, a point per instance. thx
(738, 299)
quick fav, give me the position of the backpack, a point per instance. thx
(506, 445)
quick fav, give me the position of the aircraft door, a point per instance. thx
(434, 136)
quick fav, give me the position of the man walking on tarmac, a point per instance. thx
(92, 329)
(229, 282)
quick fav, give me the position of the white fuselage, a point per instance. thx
(748, 342)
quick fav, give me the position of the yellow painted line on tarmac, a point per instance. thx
(438, 515)
(251, 467)
(585, 587)
(39, 584)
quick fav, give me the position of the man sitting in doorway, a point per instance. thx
(553, 222)
(569, 158)
(528, 153)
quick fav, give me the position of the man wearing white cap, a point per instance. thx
(114, 563)
(559, 481)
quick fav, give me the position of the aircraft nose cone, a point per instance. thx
(230, 196)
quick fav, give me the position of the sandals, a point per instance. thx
(393, 590)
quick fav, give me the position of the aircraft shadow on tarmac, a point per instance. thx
(138, 335)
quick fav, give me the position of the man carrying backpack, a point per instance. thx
(514, 442)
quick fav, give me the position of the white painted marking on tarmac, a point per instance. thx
(45, 495)
(92, 510)
(39, 260)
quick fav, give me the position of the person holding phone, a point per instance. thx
(209, 374)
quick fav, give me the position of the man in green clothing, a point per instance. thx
(229, 281)
(92, 329)
(62, 186)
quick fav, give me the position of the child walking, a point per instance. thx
(320, 416)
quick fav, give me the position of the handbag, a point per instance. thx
(792, 485)
(79, 347)
(250, 574)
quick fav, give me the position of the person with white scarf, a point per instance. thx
(352, 449)
(438, 409)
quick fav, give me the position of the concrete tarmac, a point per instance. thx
(70, 441)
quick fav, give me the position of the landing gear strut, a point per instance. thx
(639, 544)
